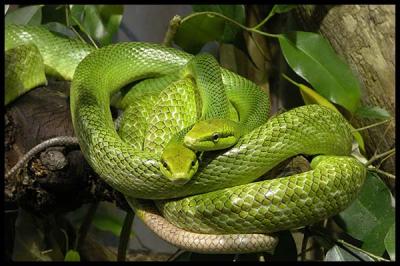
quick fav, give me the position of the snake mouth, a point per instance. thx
(180, 181)
(178, 178)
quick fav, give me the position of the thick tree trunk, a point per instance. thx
(363, 35)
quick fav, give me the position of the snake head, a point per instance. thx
(178, 163)
(213, 134)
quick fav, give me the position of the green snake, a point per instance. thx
(223, 202)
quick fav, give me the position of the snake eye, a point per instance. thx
(164, 163)
(193, 163)
(215, 137)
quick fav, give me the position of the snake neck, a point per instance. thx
(206, 72)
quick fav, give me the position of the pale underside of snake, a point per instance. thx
(223, 201)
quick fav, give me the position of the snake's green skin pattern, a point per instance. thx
(130, 171)
(32, 51)
(150, 86)
(23, 70)
(271, 205)
(207, 73)
(58, 62)
(133, 124)
(181, 102)
(310, 130)
(178, 99)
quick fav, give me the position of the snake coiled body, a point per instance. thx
(223, 201)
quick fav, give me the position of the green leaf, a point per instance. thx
(108, 218)
(101, 22)
(372, 112)
(337, 253)
(31, 15)
(370, 216)
(196, 31)
(374, 241)
(313, 59)
(108, 223)
(54, 13)
(390, 242)
(60, 28)
(235, 12)
(76, 14)
(72, 255)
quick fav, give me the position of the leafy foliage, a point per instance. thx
(31, 15)
(72, 255)
(209, 27)
(390, 242)
(100, 22)
(109, 219)
(372, 112)
(313, 59)
(337, 253)
(371, 215)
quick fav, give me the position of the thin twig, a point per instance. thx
(124, 236)
(306, 250)
(378, 156)
(84, 31)
(67, 247)
(290, 80)
(304, 244)
(258, 47)
(380, 142)
(77, 34)
(210, 13)
(262, 22)
(384, 159)
(172, 28)
(378, 258)
(373, 125)
(57, 141)
(374, 169)
(85, 226)
(67, 13)
(323, 233)
(176, 254)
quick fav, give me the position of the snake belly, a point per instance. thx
(310, 130)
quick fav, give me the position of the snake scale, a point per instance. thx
(218, 198)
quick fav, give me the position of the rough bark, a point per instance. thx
(51, 177)
(363, 35)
